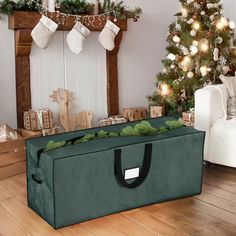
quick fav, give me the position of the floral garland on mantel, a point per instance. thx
(76, 8)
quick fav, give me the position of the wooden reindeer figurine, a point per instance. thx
(70, 121)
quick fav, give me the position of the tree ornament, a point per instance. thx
(171, 57)
(223, 61)
(195, 16)
(194, 50)
(190, 75)
(193, 33)
(184, 12)
(231, 25)
(189, 1)
(225, 69)
(176, 39)
(219, 40)
(195, 42)
(190, 21)
(184, 50)
(164, 70)
(212, 17)
(177, 26)
(216, 54)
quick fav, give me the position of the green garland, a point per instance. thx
(143, 128)
(8, 6)
(122, 11)
(76, 7)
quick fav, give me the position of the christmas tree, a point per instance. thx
(200, 48)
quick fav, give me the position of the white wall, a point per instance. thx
(7, 74)
(142, 49)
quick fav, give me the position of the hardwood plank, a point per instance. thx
(219, 193)
(16, 185)
(218, 202)
(225, 175)
(100, 227)
(178, 221)
(223, 169)
(154, 224)
(127, 226)
(196, 216)
(212, 210)
(220, 183)
(75, 230)
(13, 169)
(9, 226)
(26, 217)
(5, 193)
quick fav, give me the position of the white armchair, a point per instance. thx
(211, 116)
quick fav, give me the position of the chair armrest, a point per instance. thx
(210, 106)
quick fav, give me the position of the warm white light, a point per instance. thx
(196, 25)
(219, 25)
(224, 21)
(165, 90)
(204, 70)
(186, 60)
(204, 45)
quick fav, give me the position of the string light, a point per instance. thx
(221, 23)
(196, 25)
(165, 89)
(204, 45)
(85, 19)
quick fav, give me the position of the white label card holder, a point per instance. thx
(132, 173)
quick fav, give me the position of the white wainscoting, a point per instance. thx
(84, 74)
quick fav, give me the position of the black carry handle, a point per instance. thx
(36, 179)
(144, 171)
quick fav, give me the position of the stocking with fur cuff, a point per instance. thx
(43, 32)
(75, 38)
(108, 34)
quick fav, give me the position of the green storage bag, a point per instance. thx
(80, 182)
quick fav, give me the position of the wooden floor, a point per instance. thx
(212, 213)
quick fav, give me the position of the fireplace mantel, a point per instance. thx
(23, 23)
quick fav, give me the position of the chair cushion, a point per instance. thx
(222, 142)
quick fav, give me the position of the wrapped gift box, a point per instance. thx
(156, 111)
(134, 114)
(188, 118)
(7, 133)
(112, 121)
(41, 119)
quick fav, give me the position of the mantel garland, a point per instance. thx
(108, 9)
